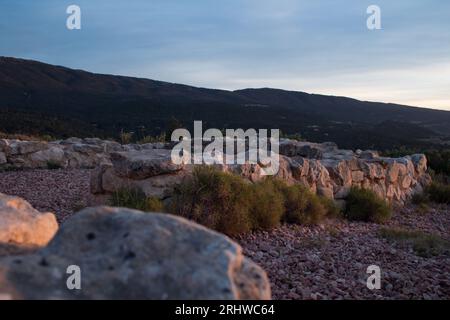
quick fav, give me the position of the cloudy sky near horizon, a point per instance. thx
(317, 46)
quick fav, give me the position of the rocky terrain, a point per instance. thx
(324, 168)
(317, 262)
(60, 191)
(328, 261)
(122, 254)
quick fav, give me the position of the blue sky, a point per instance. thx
(318, 46)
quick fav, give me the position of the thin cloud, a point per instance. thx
(316, 46)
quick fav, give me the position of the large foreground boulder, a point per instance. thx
(21, 224)
(127, 254)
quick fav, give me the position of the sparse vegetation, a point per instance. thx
(135, 199)
(153, 139)
(232, 205)
(425, 245)
(333, 231)
(423, 208)
(332, 209)
(301, 205)
(365, 205)
(8, 168)
(217, 200)
(52, 165)
(438, 192)
(293, 136)
(268, 205)
(125, 137)
(313, 243)
(79, 205)
(173, 124)
(420, 198)
(25, 137)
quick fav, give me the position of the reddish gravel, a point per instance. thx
(330, 262)
(58, 191)
(322, 262)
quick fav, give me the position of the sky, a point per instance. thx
(317, 46)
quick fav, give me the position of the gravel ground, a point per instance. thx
(320, 262)
(330, 261)
(58, 191)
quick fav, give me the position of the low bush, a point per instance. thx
(125, 137)
(52, 165)
(267, 205)
(26, 137)
(214, 199)
(134, 198)
(438, 192)
(423, 244)
(420, 198)
(231, 205)
(365, 205)
(304, 207)
(153, 139)
(301, 205)
(332, 209)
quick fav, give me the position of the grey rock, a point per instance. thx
(143, 164)
(128, 254)
(368, 154)
(3, 159)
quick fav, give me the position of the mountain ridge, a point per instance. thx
(107, 104)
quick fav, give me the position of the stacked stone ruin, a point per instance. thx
(322, 167)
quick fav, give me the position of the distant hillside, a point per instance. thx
(37, 98)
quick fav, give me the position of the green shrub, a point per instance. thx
(365, 205)
(420, 198)
(316, 210)
(217, 200)
(423, 244)
(52, 165)
(153, 139)
(438, 192)
(267, 205)
(8, 167)
(47, 137)
(296, 203)
(125, 137)
(332, 209)
(304, 207)
(423, 208)
(231, 205)
(154, 204)
(134, 198)
(26, 137)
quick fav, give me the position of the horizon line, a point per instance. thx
(350, 96)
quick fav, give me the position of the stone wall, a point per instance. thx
(323, 168)
(69, 153)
